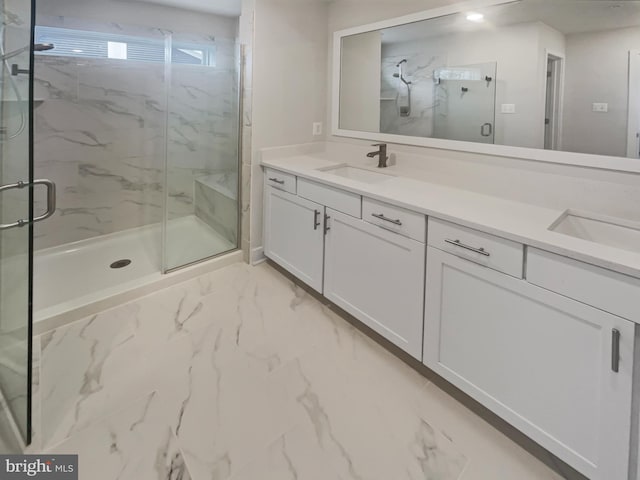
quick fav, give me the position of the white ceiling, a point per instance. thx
(218, 7)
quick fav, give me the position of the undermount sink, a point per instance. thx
(612, 232)
(358, 174)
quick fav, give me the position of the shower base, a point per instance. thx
(75, 280)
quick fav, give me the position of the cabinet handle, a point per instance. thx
(326, 224)
(615, 350)
(316, 219)
(281, 182)
(458, 243)
(382, 217)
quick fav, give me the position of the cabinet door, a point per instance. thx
(294, 235)
(541, 361)
(378, 277)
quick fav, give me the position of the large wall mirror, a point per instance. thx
(549, 75)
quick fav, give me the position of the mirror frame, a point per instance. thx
(602, 162)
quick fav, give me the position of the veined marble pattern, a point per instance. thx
(203, 131)
(419, 71)
(216, 202)
(100, 134)
(240, 374)
(247, 132)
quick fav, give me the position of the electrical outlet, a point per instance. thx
(317, 129)
(601, 107)
(508, 108)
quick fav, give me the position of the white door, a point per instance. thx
(633, 125)
(294, 235)
(541, 361)
(378, 277)
(553, 103)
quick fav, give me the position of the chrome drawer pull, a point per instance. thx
(615, 350)
(281, 182)
(382, 217)
(458, 243)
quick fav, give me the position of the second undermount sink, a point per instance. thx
(601, 229)
(358, 174)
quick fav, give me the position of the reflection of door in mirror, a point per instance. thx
(553, 103)
(633, 129)
(465, 99)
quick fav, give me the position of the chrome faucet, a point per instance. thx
(381, 154)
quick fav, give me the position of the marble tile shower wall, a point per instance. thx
(419, 71)
(203, 129)
(100, 135)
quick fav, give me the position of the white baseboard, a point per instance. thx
(257, 256)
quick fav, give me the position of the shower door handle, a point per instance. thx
(483, 129)
(51, 201)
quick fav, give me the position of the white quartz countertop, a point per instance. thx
(521, 222)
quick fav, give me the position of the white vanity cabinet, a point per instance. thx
(555, 368)
(377, 275)
(372, 269)
(546, 342)
(294, 235)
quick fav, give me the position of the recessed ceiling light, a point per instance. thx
(475, 17)
(77, 50)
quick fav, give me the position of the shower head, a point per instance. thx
(43, 47)
(396, 75)
(38, 47)
(401, 62)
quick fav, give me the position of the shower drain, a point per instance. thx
(121, 263)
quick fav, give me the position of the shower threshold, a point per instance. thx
(76, 280)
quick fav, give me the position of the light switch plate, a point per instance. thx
(508, 108)
(317, 129)
(601, 107)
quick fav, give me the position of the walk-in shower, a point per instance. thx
(146, 160)
(134, 109)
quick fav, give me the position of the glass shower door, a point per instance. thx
(465, 107)
(202, 149)
(16, 215)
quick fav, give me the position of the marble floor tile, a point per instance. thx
(133, 444)
(88, 369)
(293, 456)
(242, 375)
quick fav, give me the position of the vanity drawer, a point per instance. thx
(396, 219)
(479, 247)
(280, 180)
(335, 198)
(605, 289)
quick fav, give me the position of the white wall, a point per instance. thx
(289, 83)
(360, 86)
(277, 128)
(597, 70)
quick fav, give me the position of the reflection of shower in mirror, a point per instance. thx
(403, 102)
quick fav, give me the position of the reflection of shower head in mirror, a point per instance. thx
(38, 47)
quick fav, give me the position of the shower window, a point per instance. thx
(86, 44)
